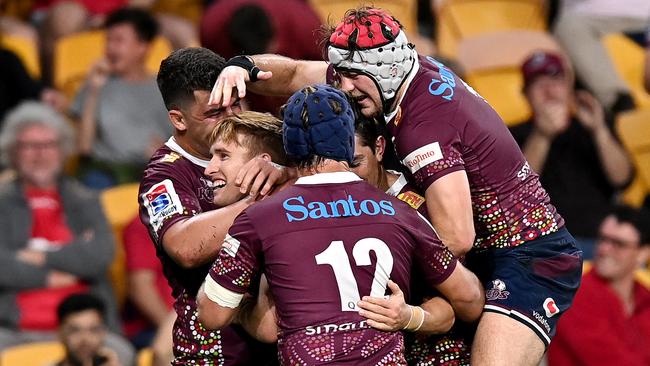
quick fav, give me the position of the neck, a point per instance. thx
(50, 186)
(192, 149)
(624, 289)
(136, 74)
(388, 180)
(328, 166)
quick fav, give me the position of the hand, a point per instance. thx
(109, 356)
(388, 315)
(589, 112)
(230, 78)
(258, 176)
(551, 118)
(56, 279)
(55, 99)
(98, 75)
(33, 257)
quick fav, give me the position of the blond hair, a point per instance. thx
(261, 133)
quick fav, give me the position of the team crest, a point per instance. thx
(413, 199)
(170, 158)
(161, 202)
(497, 292)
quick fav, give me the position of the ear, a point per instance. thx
(177, 119)
(266, 157)
(380, 148)
(644, 256)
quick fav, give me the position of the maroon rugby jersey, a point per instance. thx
(323, 244)
(174, 188)
(441, 126)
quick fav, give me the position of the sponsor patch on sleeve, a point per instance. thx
(422, 157)
(230, 246)
(161, 202)
(413, 199)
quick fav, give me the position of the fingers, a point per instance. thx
(374, 308)
(241, 87)
(215, 95)
(380, 326)
(257, 184)
(264, 75)
(377, 317)
(394, 288)
(227, 93)
(246, 174)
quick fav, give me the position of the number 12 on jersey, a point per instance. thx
(336, 257)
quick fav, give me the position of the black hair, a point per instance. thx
(250, 30)
(369, 129)
(77, 303)
(185, 71)
(639, 218)
(145, 25)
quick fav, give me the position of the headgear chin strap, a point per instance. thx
(379, 50)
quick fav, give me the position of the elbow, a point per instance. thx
(209, 316)
(472, 303)
(461, 242)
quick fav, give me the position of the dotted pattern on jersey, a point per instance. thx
(227, 264)
(193, 344)
(437, 351)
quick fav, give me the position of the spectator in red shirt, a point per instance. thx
(609, 323)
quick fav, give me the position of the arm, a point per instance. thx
(88, 125)
(196, 241)
(395, 314)
(212, 315)
(257, 317)
(464, 292)
(536, 150)
(142, 291)
(549, 119)
(281, 76)
(449, 197)
(19, 275)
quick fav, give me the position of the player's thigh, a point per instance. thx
(502, 340)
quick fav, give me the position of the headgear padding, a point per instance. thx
(379, 49)
(319, 122)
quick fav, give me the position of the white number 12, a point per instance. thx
(336, 257)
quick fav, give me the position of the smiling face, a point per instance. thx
(38, 156)
(618, 250)
(227, 160)
(363, 91)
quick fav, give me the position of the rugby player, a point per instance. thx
(305, 238)
(176, 204)
(459, 153)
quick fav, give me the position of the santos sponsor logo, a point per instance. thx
(423, 156)
(331, 328)
(297, 210)
(444, 88)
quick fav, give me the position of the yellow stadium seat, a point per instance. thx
(145, 357)
(32, 354)
(629, 58)
(492, 64)
(458, 19)
(642, 275)
(634, 131)
(74, 55)
(120, 206)
(332, 11)
(26, 51)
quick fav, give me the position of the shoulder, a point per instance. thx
(72, 188)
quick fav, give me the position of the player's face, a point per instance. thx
(369, 162)
(618, 251)
(82, 335)
(125, 51)
(227, 160)
(38, 156)
(200, 119)
(363, 91)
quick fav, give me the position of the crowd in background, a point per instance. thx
(59, 150)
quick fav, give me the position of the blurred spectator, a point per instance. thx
(82, 330)
(150, 297)
(122, 116)
(16, 85)
(609, 323)
(647, 62)
(55, 238)
(249, 27)
(580, 27)
(180, 31)
(12, 24)
(571, 146)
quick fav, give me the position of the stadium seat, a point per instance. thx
(74, 55)
(26, 51)
(459, 19)
(629, 58)
(492, 64)
(145, 357)
(332, 11)
(634, 131)
(32, 354)
(120, 206)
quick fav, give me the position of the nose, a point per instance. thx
(213, 166)
(346, 84)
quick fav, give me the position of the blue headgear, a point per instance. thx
(324, 132)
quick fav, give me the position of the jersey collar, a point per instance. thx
(396, 188)
(329, 178)
(416, 67)
(172, 144)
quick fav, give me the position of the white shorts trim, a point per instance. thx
(520, 316)
(221, 295)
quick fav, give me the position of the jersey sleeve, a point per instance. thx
(432, 258)
(430, 149)
(239, 262)
(166, 197)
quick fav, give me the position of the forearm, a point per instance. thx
(143, 293)
(647, 70)
(438, 316)
(289, 75)
(88, 125)
(536, 150)
(15, 274)
(613, 157)
(196, 241)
